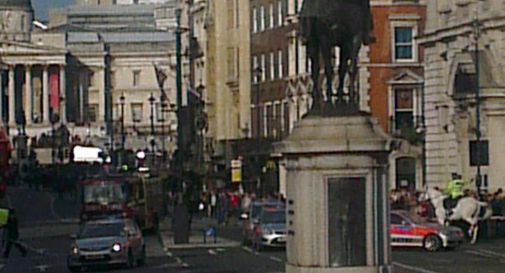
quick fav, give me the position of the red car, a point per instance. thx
(413, 231)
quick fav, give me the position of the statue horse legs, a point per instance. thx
(313, 52)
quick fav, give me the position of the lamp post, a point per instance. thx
(53, 121)
(258, 72)
(151, 102)
(162, 120)
(178, 80)
(123, 137)
(476, 33)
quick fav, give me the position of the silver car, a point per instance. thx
(107, 243)
(270, 229)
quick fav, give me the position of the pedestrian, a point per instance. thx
(13, 235)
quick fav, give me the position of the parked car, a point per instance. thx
(413, 231)
(107, 243)
(251, 217)
(270, 229)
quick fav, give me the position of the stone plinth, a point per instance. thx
(337, 210)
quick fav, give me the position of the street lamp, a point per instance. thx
(53, 121)
(476, 33)
(162, 120)
(258, 72)
(153, 142)
(123, 137)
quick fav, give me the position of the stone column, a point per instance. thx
(45, 94)
(63, 95)
(12, 99)
(28, 95)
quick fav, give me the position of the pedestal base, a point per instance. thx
(359, 269)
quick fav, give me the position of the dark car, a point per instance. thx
(251, 218)
(270, 229)
(107, 243)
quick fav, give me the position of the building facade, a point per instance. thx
(75, 72)
(464, 54)
(390, 78)
(228, 80)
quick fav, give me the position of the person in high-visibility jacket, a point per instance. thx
(455, 190)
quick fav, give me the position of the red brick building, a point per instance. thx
(390, 77)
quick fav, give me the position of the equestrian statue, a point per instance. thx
(325, 24)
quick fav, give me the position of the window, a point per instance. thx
(237, 14)
(272, 66)
(231, 63)
(271, 13)
(262, 18)
(280, 64)
(136, 78)
(160, 117)
(280, 16)
(404, 110)
(91, 78)
(255, 20)
(92, 112)
(254, 67)
(136, 112)
(263, 67)
(23, 18)
(117, 111)
(403, 41)
(230, 13)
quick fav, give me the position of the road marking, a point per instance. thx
(212, 252)
(474, 252)
(220, 249)
(185, 265)
(247, 249)
(414, 268)
(42, 268)
(169, 254)
(490, 252)
(275, 259)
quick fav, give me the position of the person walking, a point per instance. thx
(13, 235)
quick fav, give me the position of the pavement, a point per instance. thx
(200, 236)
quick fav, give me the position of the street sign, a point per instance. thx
(236, 171)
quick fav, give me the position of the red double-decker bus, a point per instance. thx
(134, 196)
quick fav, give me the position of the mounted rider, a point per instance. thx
(454, 191)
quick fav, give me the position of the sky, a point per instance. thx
(42, 6)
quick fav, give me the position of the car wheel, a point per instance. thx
(142, 260)
(432, 243)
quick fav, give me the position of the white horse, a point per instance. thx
(467, 209)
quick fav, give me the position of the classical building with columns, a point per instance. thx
(74, 73)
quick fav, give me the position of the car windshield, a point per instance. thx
(104, 193)
(278, 216)
(101, 230)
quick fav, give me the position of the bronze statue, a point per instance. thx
(325, 24)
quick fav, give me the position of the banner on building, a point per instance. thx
(236, 171)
